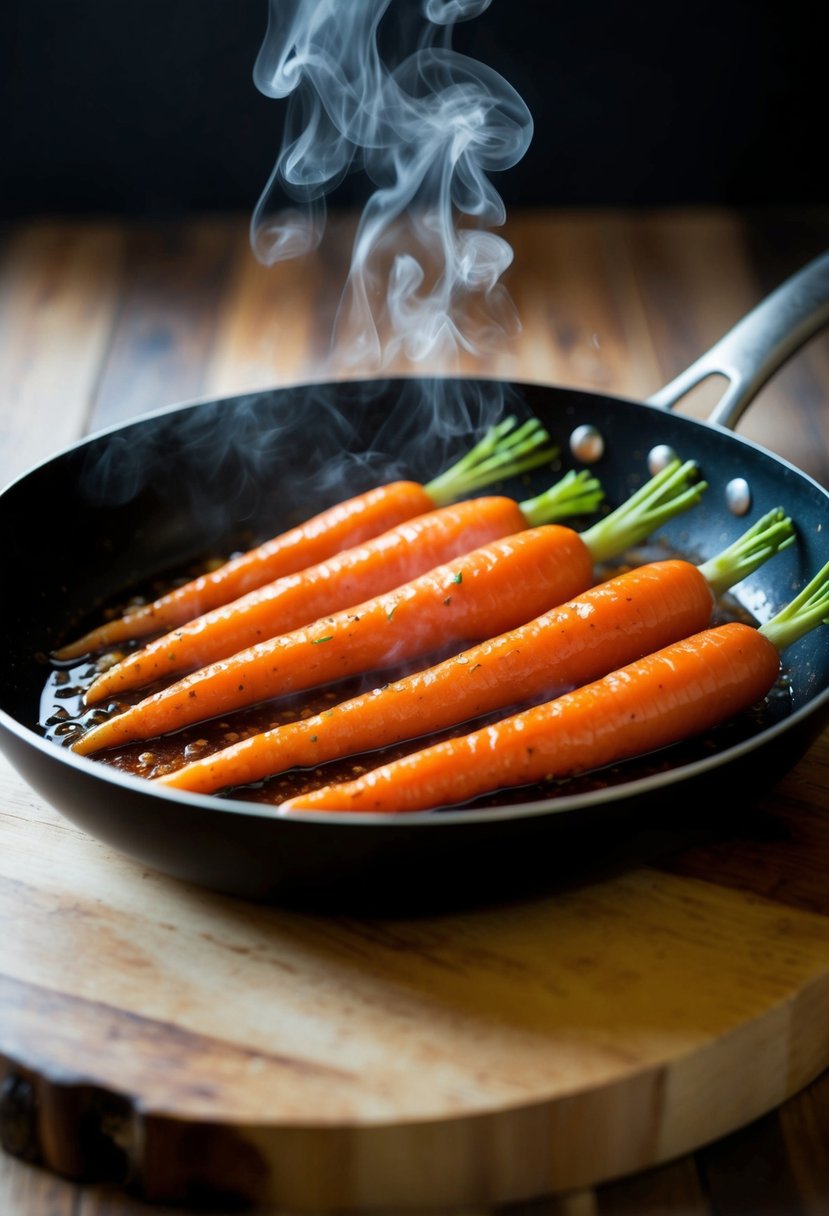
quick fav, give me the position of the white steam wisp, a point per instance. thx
(426, 126)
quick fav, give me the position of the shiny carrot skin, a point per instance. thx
(348, 523)
(609, 625)
(504, 451)
(681, 690)
(666, 697)
(490, 590)
(346, 579)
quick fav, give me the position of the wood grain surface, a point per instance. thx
(651, 1037)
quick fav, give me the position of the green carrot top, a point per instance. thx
(773, 532)
(575, 494)
(806, 611)
(504, 451)
(673, 490)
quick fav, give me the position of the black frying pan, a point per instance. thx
(211, 476)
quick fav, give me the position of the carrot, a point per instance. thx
(504, 451)
(347, 578)
(487, 591)
(611, 624)
(666, 697)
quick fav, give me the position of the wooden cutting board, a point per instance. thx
(190, 1045)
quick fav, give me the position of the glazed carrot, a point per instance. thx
(346, 579)
(483, 593)
(611, 624)
(666, 697)
(505, 450)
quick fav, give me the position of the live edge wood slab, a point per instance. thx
(649, 1035)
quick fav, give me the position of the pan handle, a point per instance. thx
(758, 345)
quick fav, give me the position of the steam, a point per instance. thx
(372, 87)
(426, 127)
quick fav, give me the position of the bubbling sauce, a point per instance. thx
(63, 718)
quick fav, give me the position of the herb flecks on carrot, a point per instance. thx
(643, 706)
(505, 450)
(666, 697)
(611, 624)
(346, 579)
(504, 585)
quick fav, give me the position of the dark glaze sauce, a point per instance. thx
(63, 717)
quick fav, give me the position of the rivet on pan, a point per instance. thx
(587, 444)
(738, 496)
(659, 458)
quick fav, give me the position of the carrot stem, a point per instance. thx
(502, 452)
(575, 494)
(806, 611)
(672, 490)
(770, 534)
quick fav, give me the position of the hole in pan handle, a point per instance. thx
(759, 344)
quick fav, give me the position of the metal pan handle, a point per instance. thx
(759, 344)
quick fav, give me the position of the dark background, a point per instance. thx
(148, 107)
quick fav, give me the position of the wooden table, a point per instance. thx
(101, 321)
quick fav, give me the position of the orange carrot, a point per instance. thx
(666, 697)
(503, 452)
(494, 588)
(346, 579)
(611, 624)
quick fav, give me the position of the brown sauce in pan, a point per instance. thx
(63, 717)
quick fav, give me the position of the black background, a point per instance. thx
(148, 107)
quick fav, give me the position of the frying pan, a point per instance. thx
(214, 475)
